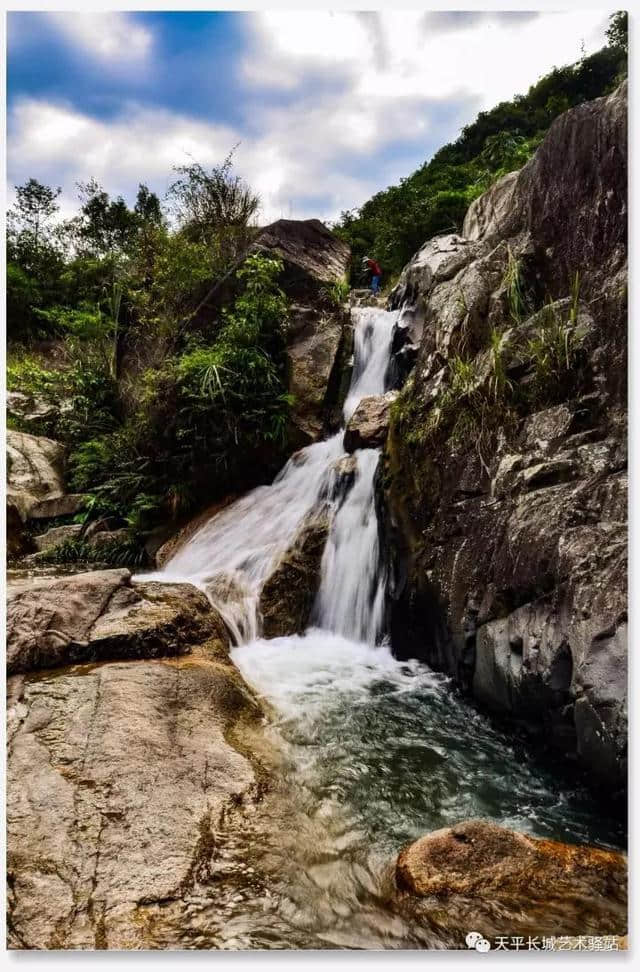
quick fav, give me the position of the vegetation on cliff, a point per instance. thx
(157, 401)
(394, 223)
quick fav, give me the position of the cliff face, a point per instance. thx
(319, 338)
(504, 475)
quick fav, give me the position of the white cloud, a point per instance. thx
(114, 38)
(353, 89)
(396, 54)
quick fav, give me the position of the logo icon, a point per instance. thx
(477, 941)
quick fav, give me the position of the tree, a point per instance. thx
(215, 207)
(106, 227)
(29, 221)
(618, 30)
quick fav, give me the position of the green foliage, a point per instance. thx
(199, 417)
(127, 552)
(499, 384)
(337, 293)
(554, 347)
(618, 30)
(513, 284)
(394, 223)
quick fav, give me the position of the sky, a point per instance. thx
(325, 108)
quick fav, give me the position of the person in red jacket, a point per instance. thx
(376, 272)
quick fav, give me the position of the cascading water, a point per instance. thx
(231, 555)
(375, 751)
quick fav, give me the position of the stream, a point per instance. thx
(375, 752)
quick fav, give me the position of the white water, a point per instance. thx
(231, 556)
(376, 751)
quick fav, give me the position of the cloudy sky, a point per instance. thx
(327, 108)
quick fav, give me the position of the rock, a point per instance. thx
(500, 882)
(490, 212)
(119, 778)
(343, 474)
(318, 333)
(29, 410)
(288, 594)
(18, 541)
(368, 426)
(103, 614)
(505, 526)
(35, 470)
(105, 538)
(313, 354)
(67, 505)
(178, 536)
(310, 252)
(57, 535)
(439, 259)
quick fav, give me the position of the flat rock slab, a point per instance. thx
(103, 614)
(118, 777)
(57, 535)
(490, 875)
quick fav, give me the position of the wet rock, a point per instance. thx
(343, 474)
(119, 776)
(368, 426)
(288, 593)
(312, 352)
(176, 536)
(500, 882)
(103, 614)
(521, 507)
(57, 535)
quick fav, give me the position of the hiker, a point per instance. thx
(376, 272)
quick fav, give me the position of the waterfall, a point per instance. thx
(231, 556)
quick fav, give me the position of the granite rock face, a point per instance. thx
(35, 470)
(288, 593)
(119, 776)
(125, 757)
(310, 253)
(101, 615)
(319, 335)
(504, 479)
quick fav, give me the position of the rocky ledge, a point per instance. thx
(503, 883)
(504, 475)
(120, 773)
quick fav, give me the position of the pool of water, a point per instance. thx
(374, 754)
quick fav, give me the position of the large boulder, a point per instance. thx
(54, 536)
(505, 483)
(288, 593)
(368, 426)
(102, 615)
(502, 883)
(318, 339)
(490, 212)
(121, 780)
(311, 254)
(35, 470)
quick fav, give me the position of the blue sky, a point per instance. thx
(326, 108)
